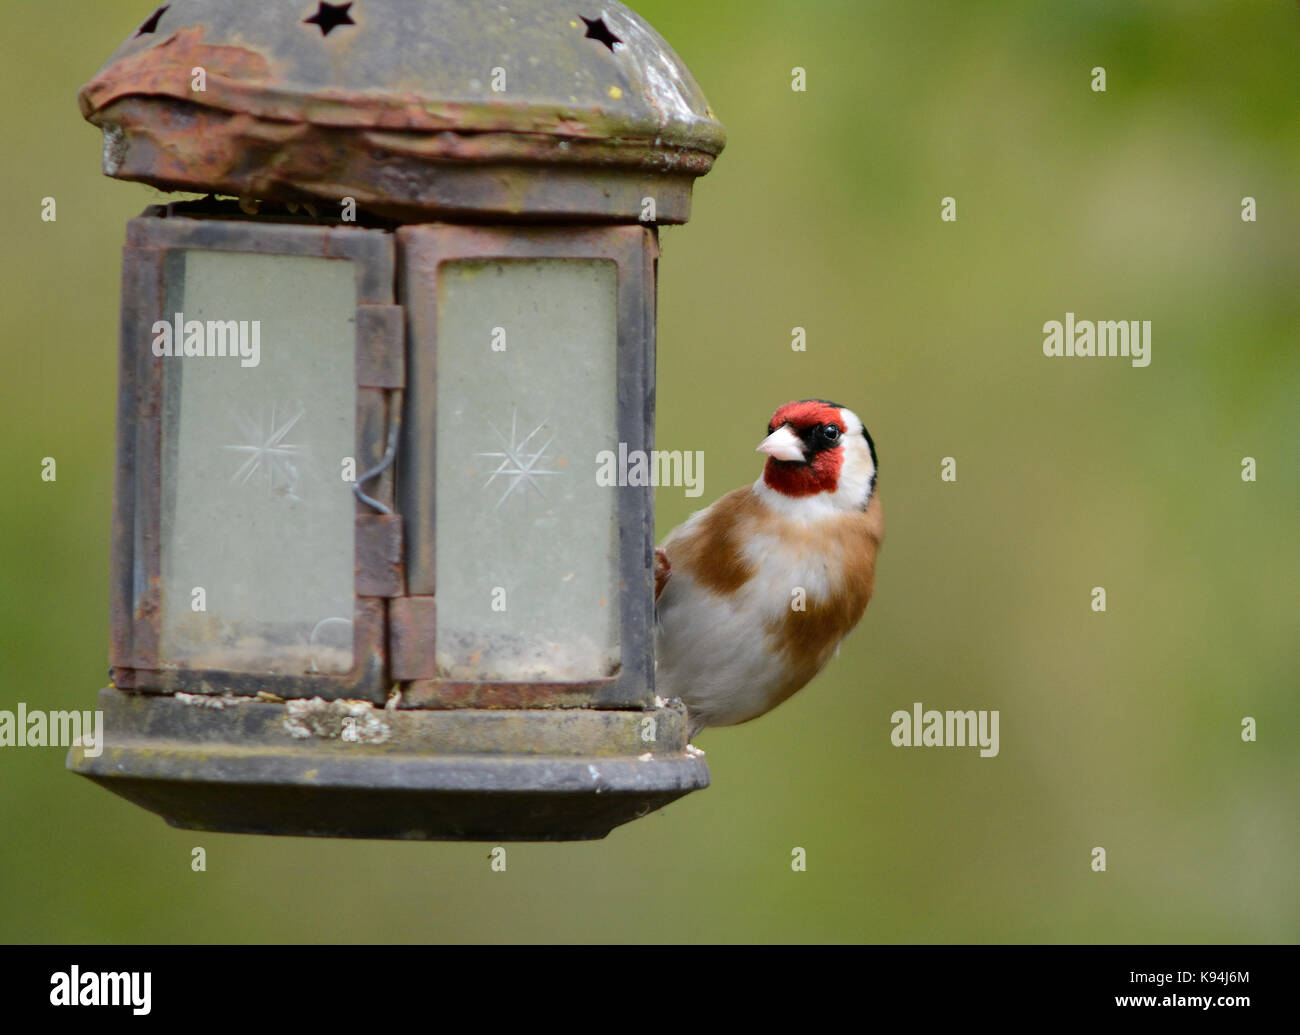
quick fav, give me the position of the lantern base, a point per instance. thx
(316, 768)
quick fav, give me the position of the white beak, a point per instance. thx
(782, 444)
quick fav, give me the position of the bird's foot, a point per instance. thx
(662, 570)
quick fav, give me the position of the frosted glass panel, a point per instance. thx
(255, 512)
(527, 542)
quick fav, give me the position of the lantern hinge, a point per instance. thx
(381, 346)
(379, 570)
(411, 625)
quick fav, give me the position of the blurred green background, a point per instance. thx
(1119, 730)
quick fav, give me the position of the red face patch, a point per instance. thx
(806, 414)
(821, 473)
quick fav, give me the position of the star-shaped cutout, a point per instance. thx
(267, 452)
(330, 17)
(518, 463)
(598, 30)
(151, 25)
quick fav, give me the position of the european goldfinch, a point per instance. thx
(754, 593)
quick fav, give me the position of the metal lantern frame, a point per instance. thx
(153, 241)
(424, 250)
(390, 111)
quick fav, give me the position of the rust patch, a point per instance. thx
(167, 69)
(176, 144)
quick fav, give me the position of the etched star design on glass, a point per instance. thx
(518, 466)
(270, 458)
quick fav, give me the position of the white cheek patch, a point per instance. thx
(858, 472)
(856, 476)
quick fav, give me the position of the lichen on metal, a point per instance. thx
(395, 108)
(357, 722)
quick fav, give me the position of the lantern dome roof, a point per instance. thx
(535, 109)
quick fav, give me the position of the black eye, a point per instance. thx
(829, 433)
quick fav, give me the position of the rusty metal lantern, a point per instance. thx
(365, 581)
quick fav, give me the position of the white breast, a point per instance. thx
(713, 651)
